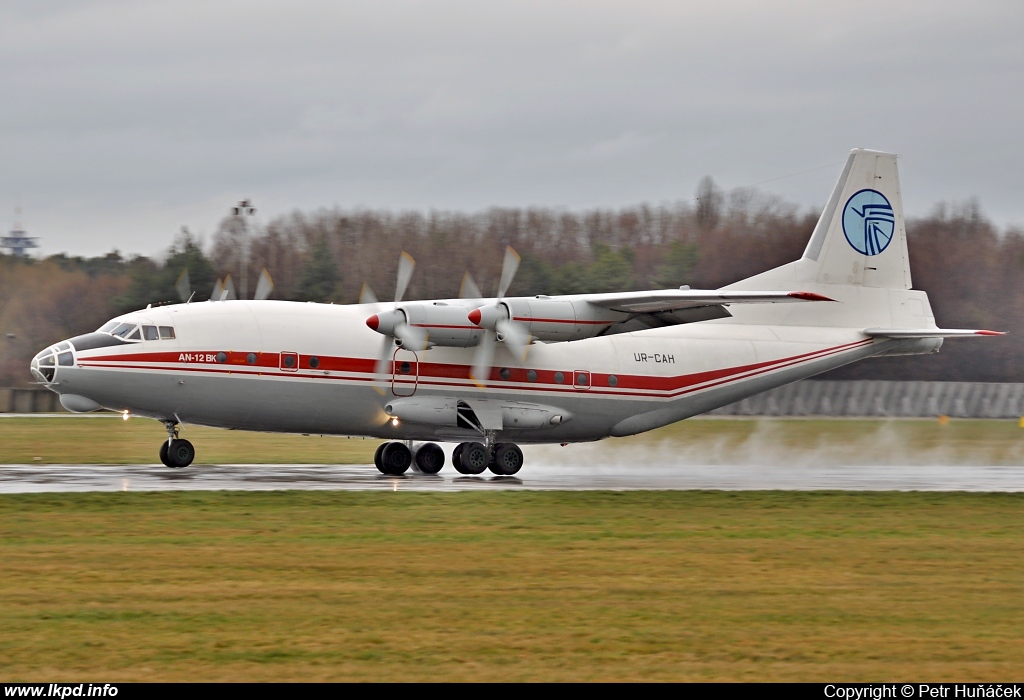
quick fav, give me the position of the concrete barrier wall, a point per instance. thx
(29, 400)
(807, 398)
(879, 398)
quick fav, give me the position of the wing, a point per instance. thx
(910, 333)
(675, 299)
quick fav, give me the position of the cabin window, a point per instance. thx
(150, 333)
(531, 376)
(222, 357)
(613, 380)
(251, 358)
(559, 377)
(504, 373)
(289, 360)
(166, 333)
(405, 368)
(314, 362)
(122, 330)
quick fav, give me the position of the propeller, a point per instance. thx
(468, 288)
(393, 324)
(499, 327)
(264, 286)
(183, 286)
(366, 295)
(225, 289)
(228, 291)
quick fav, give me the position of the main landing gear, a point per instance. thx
(175, 452)
(471, 458)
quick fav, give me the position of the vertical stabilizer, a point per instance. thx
(860, 238)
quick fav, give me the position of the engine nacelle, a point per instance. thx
(444, 324)
(470, 414)
(549, 319)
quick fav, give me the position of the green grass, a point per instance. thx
(110, 440)
(511, 586)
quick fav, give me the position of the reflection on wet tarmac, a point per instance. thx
(538, 476)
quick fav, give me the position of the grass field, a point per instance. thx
(110, 440)
(511, 586)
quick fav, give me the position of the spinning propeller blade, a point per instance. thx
(411, 338)
(482, 359)
(499, 327)
(406, 265)
(366, 295)
(229, 290)
(515, 337)
(183, 286)
(468, 288)
(264, 287)
(508, 270)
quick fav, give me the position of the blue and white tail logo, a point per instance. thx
(868, 222)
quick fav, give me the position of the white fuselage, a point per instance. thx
(309, 368)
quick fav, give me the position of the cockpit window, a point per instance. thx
(150, 333)
(166, 332)
(122, 330)
(107, 327)
(135, 335)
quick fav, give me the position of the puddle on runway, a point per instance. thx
(536, 475)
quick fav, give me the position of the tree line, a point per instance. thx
(970, 269)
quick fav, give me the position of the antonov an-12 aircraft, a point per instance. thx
(488, 373)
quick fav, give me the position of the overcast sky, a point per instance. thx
(122, 121)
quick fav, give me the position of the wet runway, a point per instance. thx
(536, 476)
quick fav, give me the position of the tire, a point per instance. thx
(180, 454)
(396, 458)
(474, 458)
(429, 458)
(457, 458)
(163, 455)
(508, 459)
(376, 458)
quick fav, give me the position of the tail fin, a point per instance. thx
(860, 238)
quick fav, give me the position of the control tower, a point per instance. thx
(18, 242)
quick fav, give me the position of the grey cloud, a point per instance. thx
(126, 120)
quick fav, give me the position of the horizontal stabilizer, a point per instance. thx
(907, 333)
(674, 299)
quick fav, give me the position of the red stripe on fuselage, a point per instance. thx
(429, 373)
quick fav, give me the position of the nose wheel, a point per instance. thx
(175, 452)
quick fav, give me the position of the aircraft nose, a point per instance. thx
(44, 365)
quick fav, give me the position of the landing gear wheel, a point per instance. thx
(429, 458)
(396, 458)
(180, 454)
(163, 455)
(473, 458)
(508, 459)
(376, 458)
(457, 459)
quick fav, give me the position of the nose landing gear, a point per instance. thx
(175, 452)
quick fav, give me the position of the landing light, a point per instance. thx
(124, 416)
(394, 421)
